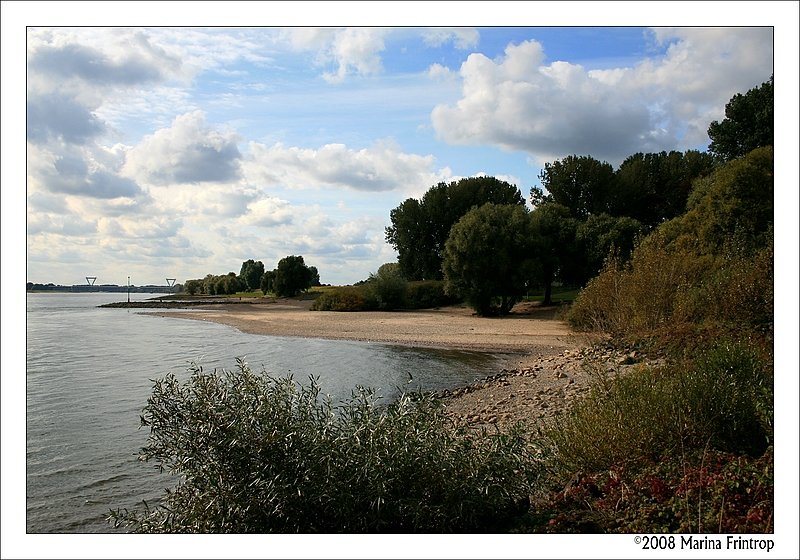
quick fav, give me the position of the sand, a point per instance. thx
(548, 365)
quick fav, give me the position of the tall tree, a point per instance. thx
(292, 276)
(486, 257)
(581, 183)
(748, 123)
(251, 273)
(654, 187)
(420, 228)
(552, 233)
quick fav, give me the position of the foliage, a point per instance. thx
(292, 276)
(428, 294)
(601, 236)
(703, 491)
(268, 282)
(212, 285)
(417, 295)
(693, 269)
(581, 183)
(717, 398)
(748, 123)
(487, 258)
(645, 431)
(251, 274)
(654, 187)
(733, 208)
(420, 228)
(345, 298)
(388, 287)
(552, 232)
(264, 454)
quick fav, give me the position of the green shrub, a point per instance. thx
(264, 454)
(719, 399)
(427, 294)
(345, 298)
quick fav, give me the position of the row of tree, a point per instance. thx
(291, 277)
(479, 236)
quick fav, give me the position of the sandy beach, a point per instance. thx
(546, 368)
(528, 329)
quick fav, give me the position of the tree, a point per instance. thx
(552, 231)
(388, 286)
(600, 236)
(654, 187)
(420, 228)
(581, 183)
(314, 276)
(251, 274)
(292, 276)
(486, 257)
(748, 123)
(193, 287)
(733, 208)
(268, 282)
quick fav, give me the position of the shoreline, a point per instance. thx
(545, 361)
(529, 329)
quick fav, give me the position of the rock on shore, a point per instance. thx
(539, 388)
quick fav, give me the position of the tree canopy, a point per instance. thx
(487, 257)
(748, 123)
(420, 228)
(292, 276)
(251, 274)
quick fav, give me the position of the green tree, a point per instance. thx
(654, 187)
(292, 276)
(268, 282)
(251, 274)
(748, 123)
(388, 286)
(314, 276)
(599, 237)
(581, 183)
(552, 231)
(193, 287)
(733, 208)
(486, 257)
(420, 228)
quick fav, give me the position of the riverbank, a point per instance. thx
(548, 365)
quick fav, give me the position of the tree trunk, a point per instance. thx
(548, 292)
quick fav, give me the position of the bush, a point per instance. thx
(428, 294)
(680, 448)
(345, 298)
(387, 287)
(721, 399)
(265, 454)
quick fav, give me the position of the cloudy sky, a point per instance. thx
(157, 152)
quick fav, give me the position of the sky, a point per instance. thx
(176, 152)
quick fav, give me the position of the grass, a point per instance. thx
(558, 296)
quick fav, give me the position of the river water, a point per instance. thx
(89, 373)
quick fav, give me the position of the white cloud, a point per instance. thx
(268, 212)
(381, 167)
(549, 111)
(461, 37)
(186, 152)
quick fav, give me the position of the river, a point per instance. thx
(89, 372)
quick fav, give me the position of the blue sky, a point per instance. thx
(157, 152)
